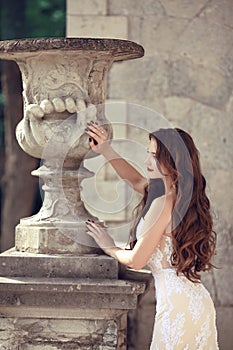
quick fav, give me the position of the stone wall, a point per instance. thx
(186, 76)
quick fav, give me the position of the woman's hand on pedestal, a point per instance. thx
(100, 235)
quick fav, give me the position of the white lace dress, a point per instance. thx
(185, 313)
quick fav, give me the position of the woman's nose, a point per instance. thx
(147, 160)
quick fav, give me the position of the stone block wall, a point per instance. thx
(185, 76)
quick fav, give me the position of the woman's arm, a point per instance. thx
(124, 169)
(154, 226)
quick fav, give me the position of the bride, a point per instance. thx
(173, 235)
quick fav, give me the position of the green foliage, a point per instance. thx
(1, 101)
(45, 18)
(29, 19)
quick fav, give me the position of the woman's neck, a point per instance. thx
(169, 185)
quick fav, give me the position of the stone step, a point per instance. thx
(23, 264)
(68, 292)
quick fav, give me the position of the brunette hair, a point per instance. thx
(193, 238)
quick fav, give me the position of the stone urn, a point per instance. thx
(64, 87)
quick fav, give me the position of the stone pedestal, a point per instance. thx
(55, 291)
(64, 302)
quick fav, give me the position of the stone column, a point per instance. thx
(57, 289)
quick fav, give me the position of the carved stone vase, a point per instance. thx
(64, 87)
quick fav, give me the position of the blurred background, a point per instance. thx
(186, 75)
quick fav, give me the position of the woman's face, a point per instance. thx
(152, 163)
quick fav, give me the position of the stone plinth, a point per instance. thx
(20, 264)
(68, 292)
(67, 329)
(65, 301)
(53, 240)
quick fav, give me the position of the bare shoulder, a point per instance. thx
(158, 216)
(161, 204)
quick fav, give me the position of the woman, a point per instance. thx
(174, 236)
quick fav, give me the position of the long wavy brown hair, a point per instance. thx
(193, 237)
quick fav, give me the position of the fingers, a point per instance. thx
(96, 131)
(100, 235)
(93, 227)
(93, 230)
(99, 130)
(93, 142)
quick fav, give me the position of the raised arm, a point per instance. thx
(124, 169)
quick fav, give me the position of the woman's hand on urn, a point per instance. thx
(100, 235)
(98, 137)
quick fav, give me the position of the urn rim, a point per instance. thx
(119, 49)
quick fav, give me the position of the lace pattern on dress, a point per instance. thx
(185, 314)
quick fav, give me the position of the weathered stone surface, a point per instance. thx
(178, 111)
(83, 334)
(82, 293)
(156, 105)
(219, 12)
(135, 7)
(64, 312)
(218, 180)
(136, 75)
(224, 284)
(54, 240)
(202, 120)
(102, 27)
(123, 49)
(184, 9)
(158, 35)
(199, 119)
(19, 264)
(206, 43)
(199, 83)
(87, 7)
(224, 320)
(229, 105)
(208, 279)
